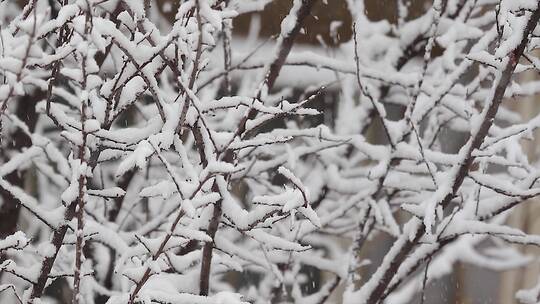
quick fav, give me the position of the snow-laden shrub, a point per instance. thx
(150, 162)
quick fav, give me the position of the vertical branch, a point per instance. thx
(227, 56)
(364, 89)
(204, 282)
(424, 282)
(365, 225)
(79, 213)
(195, 67)
(79, 254)
(47, 263)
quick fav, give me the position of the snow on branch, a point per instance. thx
(149, 154)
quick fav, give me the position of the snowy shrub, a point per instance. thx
(144, 161)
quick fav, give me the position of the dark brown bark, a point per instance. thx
(204, 283)
(47, 263)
